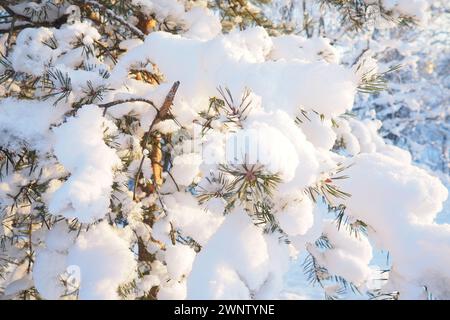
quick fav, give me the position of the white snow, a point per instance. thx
(105, 262)
(239, 61)
(80, 148)
(179, 259)
(396, 194)
(230, 267)
(186, 168)
(16, 116)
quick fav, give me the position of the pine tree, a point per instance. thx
(100, 172)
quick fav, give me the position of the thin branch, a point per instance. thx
(361, 54)
(173, 179)
(15, 25)
(114, 103)
(136, 178)
(9, 39)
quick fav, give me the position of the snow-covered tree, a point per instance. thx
(171, 149)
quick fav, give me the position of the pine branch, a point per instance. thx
(107, 105)
(375, 82)
(304, 114)
(319, 274)
(314, 272)
(112, 15)
(250, 180)
(220, 188)
(226, 107)
(60, 85)
(9, 71)
(24, 21)
(5, 5)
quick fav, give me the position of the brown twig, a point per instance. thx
(114, 103)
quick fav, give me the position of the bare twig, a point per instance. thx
(105, 106)
(168, 102)
(361, 54)
(173, 179)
